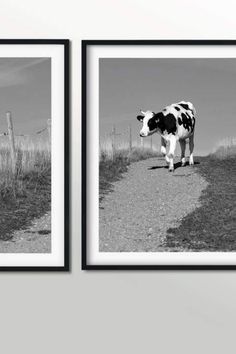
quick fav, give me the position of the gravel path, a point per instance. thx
(144, 204)
(34, 239)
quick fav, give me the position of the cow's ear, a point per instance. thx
(140, 118)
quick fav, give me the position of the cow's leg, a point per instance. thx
(191, 146)
(163, 150)
(183, 147)
(172, 152)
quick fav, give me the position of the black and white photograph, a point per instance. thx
(162, 123)
(32, 91)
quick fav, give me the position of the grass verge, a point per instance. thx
(211, 227)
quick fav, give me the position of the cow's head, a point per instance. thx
(150, 123)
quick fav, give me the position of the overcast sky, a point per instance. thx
(25, 90)
(128, 85)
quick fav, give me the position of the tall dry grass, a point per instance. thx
(122, 146)
(225, 148)
(25, 193)
(33, 157)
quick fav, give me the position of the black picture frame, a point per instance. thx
(65, 44)
(85, 265)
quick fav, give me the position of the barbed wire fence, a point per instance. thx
(10, 133)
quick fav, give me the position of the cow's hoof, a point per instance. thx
(171, 170)
(191, 164)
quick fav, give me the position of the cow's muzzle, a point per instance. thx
(143, 135)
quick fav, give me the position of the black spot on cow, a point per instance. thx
(152, 123)
(180, 121)
(193, 125)
(167, 124)
(170, 123)
(177, 108)
(184, 105)
(187, 114)
(187, 121)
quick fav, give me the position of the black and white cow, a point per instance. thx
(174, 123)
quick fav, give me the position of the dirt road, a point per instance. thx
(144, 204)
(34, 239)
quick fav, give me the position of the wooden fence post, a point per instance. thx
(130, 139)
(12, 141)
(142, 144)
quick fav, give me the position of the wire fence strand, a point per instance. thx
(36, 133)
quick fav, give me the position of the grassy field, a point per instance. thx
(225, 149)
(212, 227)
(111, 169)
(25, 194)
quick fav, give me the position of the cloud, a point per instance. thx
(13, 71)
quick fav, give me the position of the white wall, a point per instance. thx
(115, 312)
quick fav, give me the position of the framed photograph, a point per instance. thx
(159, 154)
(34, 155)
